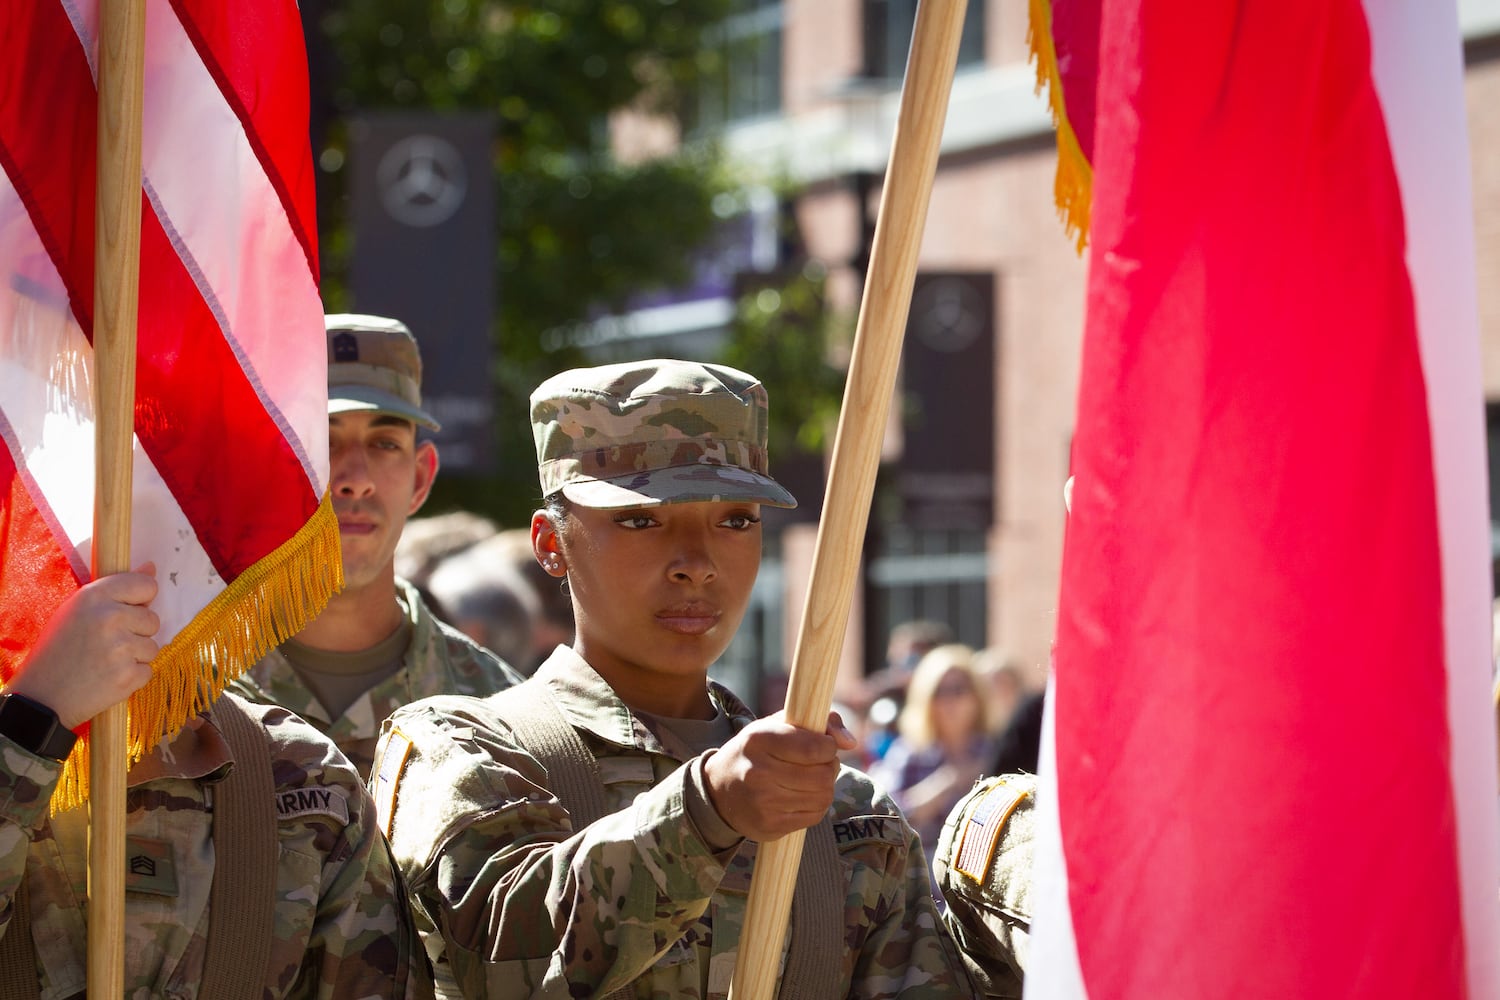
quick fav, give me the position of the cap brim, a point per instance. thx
(682, 484)
(357, 398)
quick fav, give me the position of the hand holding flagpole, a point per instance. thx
(117, 240)
(856, 454)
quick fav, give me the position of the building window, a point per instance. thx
(888, 29)
(747, 83)
(931, 574)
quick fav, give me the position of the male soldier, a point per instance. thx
(376, 646)
(255, 866)
(983, 871)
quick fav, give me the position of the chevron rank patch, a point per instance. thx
(149, 867)
(982, 828)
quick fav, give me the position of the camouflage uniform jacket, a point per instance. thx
(439, 660)
(983, 870)
(523, 905)
(341, 929)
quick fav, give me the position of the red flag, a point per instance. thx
(1270, 762)
(1064, 40)
(230, 464)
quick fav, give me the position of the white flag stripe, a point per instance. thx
(1418, 69)
(51, 431)
(233, 234)
(190, 134)
(41, 351)
(1053, 969)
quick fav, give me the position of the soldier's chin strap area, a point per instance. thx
(242, 907)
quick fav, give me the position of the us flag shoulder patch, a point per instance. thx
(982, 826)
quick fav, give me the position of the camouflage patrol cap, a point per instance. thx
(643, 433)
(374, 365)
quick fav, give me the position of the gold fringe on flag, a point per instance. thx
(1074, 182)
(265, 605)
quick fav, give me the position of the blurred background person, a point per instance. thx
(944, 740)
(1019, 745)
(907, 644)
(1007, 681)
(487, 599)
(427, 541)
(553, 625)
(883, 692)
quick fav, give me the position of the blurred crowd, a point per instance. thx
(939, 716)
(485, 581)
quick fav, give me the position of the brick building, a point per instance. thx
(976, 534)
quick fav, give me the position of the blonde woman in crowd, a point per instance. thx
(945, 739)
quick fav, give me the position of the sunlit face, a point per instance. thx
(379, 477)
(955, 707)
(658, 592)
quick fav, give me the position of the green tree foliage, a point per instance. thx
(782, 332)
(578, 231)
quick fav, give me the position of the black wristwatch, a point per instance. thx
(34, 727)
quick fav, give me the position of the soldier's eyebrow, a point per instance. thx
(389, 420)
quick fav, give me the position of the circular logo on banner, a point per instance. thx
(947, 315)
(422, 180)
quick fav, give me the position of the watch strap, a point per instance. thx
(34, 727)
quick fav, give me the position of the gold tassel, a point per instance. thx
(265, 605)
(1073, 183)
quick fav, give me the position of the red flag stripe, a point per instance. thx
(254, 277)
(45, 373)
(1251, 732)
(188, 380)
(71, 138)
(234, 43)
(35, 575)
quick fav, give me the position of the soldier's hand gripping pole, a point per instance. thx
(856, 455)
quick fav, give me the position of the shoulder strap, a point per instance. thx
(817, 920)
(243, 901)
(18, 975)
(817, 902)
(551, 739)
(242, 904)
(571, 769)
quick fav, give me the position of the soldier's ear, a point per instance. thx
(425, 472)
(546, 545)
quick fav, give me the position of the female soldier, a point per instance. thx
(594, 829)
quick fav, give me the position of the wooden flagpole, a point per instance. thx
(117, 243)
(856, 455)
